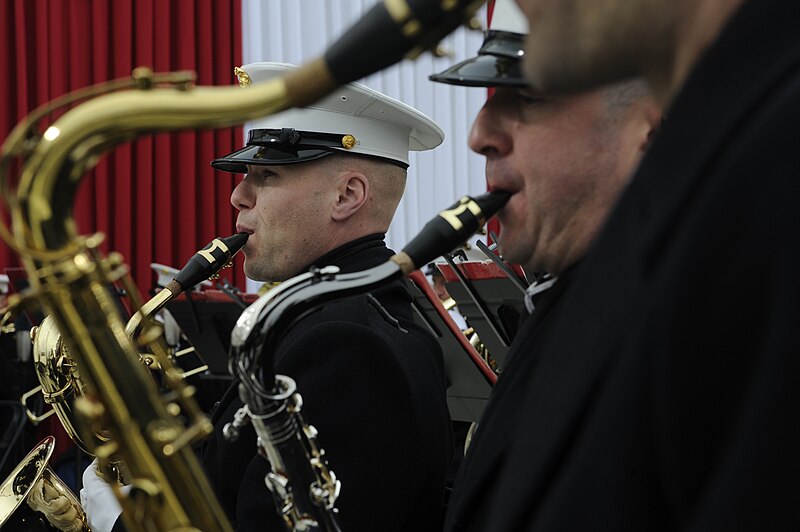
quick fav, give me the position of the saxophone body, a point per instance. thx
(149, 431)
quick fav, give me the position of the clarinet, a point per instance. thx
(303, 487)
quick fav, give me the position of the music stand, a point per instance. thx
(469, 378)
(488, 299)
(207, 318)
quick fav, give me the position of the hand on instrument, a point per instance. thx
(59, 510)
(98, 500)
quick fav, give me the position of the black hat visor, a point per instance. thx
(496, 65)
(269, 147)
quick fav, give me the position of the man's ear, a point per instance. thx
(352, 195)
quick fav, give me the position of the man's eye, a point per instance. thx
(529, 99)
(260, 177)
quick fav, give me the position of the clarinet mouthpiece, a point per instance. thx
(210, 260)
(451, 228)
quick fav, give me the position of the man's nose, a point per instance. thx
(242, 197)
(489, 135)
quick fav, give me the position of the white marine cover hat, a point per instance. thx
(353, 119)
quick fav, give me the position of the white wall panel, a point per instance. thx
(296, 31)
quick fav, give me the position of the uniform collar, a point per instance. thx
(357, 255)
(537, 288)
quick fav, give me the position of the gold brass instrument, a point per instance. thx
(474, 340)
(303, 488)
(59, 376)
(70, 277)
(32, 481)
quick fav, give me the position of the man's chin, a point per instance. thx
(254, 274)
(263, 277)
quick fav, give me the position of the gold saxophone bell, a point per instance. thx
(60, 383)
(59, 378)
(33, 497)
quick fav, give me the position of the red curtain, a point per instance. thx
(156, 199)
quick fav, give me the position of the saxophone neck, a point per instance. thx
(150, 308)
(204, 264)
(70, 146)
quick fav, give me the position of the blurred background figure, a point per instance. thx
(566, 159)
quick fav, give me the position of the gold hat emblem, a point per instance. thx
(244, 77)
(348, 141)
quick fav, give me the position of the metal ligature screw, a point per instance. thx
(232, 430)
(216, 275)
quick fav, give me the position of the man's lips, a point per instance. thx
(507, 211)
(500, 177)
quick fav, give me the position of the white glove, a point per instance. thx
(59, 510)
(98, 500)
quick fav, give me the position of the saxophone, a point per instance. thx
(69, 276)
(303, 488)
(59, 376)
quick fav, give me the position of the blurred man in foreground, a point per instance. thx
(665, 397)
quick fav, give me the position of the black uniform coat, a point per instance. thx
(373, 385)
(668, 398)
(499, 423)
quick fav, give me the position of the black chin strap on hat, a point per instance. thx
(289, 136)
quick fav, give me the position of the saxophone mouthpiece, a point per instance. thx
(210, 260)
(450, 228)
(392, 30)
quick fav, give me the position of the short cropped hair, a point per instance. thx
(386, 178)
